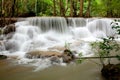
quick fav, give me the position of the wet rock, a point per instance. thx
(111, 72)
(42, 54)
(54, 56)
(67, 56)
(9, 28)
(55, 59)
(3, 57)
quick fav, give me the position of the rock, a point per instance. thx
(42, 54)
(55, 59)
(67, 56)
(9, 28)
(111, 72)
(54, 56)
(3, 57)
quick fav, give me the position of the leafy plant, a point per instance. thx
(108, 45)
(80, 60)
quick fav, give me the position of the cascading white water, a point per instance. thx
(49, 23)
(76, 22)
(101, 28)
(49, 33)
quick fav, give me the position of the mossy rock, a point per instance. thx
(3, 57)
(111, 72)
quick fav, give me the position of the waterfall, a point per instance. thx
(45, 32)
(101, 27)
(49, 23)
(52, 34)
(76, 22)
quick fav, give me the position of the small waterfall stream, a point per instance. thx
(51, 34)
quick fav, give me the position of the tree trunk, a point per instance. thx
(1, 9)
(88, 9)
(109, 10)
(62, 8)
(36, 3)
(54, 2)
(71, 8)
(60, 3)
(75, 8)
(17, 8)
(66, 7)
(2, 21)
(81, 8)
(1, 15)
(13, 8)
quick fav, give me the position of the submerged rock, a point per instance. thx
(111, 72)
(3, 57)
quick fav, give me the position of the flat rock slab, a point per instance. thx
(42, 54)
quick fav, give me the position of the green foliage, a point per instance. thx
(102, 7)
(80, 56)
(46, 7)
